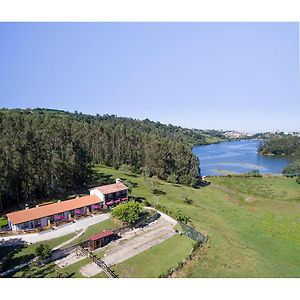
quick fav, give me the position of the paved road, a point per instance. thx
(60, 231)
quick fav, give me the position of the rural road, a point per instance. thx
(79, 225)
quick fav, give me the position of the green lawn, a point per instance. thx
(21, 254)
(253, 226)
(73, 270)
(252, 223)
(91, 230)
(3, 221)
(156, 260)
(151, 263)
(47, 271)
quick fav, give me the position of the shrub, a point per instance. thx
(129, 212)
(172, 178)
(253, 173)
(186, 179)
(179, 216)
(43, 251)
(292, 170)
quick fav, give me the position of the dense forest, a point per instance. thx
(49, 153)
(280, 145)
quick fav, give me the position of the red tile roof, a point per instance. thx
(112, 188)
(101, 235)
(51, 209)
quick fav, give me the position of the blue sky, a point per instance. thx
(242, 76)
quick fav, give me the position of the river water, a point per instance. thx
(237, 157)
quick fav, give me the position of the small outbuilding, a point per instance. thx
(101, 239)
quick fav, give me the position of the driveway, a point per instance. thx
(62, 230)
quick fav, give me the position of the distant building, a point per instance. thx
(42, 216)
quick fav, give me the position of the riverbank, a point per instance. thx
(236, 157)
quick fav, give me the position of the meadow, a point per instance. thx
(253, 224)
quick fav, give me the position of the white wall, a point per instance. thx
(97, 193)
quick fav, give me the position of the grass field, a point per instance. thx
(3, 222)
(253, 226)
(252, 223)
(156, 260)
(109, 224)
(12, 256)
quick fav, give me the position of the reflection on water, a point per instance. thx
(237, 157)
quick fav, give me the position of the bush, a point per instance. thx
(188, 201)
(172, 178)
(253, 173)
(186, 179)
(43, 251)
(292, 170)
(179, 216)
(129, 212)
(127, 169)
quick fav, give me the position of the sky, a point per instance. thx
(242, 76)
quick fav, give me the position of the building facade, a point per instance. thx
(42, 216)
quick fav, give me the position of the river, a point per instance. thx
(237, 157)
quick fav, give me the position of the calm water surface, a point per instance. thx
(237, 157)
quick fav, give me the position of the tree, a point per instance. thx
(293, 170)
(280, 145)
(50, 153)
(253, 173)
(128, 212)
(43, 251)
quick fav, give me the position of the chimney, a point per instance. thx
(77, 197)
(118, 180)
(37, 205)
(58, 201)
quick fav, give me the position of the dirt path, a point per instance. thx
(223, 188)
(62, 230)
(247, 198)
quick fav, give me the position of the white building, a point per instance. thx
(42, 216)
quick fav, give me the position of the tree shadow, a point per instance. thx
(11, 248)
(33, 271)
(137, 199)
(158, 192)
(128, 182)
(100, 178)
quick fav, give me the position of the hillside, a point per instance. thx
(48, 153)
(245, 220)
